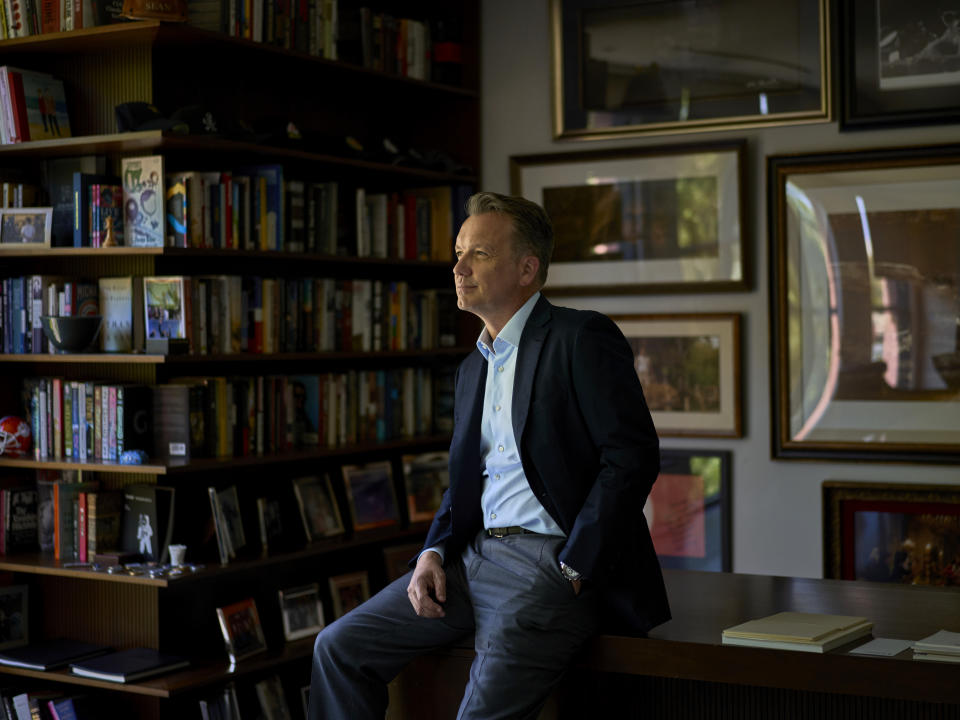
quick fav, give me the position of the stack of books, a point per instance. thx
(942, 646)
(807, 632)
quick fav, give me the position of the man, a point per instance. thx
(541, 533)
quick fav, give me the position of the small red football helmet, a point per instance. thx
(14, 437)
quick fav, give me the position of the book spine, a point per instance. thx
(97, 422)
(82, 530)
(120, 420)
(112, 423)
(57, 398)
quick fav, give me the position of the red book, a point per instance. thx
(49, 16)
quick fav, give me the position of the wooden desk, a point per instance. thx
(681, 670)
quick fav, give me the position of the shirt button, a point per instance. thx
(500, 448)
(493, 516)
(497, 476)
(497, 408)
(500, 368)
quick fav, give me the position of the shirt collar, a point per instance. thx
(512, 331)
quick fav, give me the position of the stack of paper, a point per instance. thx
(943, 646)
(807, 632)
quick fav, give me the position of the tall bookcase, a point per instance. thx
(172, 66)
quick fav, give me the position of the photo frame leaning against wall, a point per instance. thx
(642, 220)
(865, 300)
(899, 64)
(893, 533)
(625, 68)
(689, 367)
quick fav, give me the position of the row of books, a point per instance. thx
(16, 194)
(224, 314)
(33, 106)
(22, 18)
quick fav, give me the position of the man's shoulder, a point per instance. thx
(568, 317)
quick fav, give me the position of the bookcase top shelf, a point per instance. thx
(235, 358)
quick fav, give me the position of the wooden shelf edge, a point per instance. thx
(36, 564)
(145, 359)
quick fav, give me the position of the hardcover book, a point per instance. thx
(45, 106)
(107, 220)
(147, 524)
(84, 203)
(128, 665)
(120, 305)
(808, 632)
(50, 654)
(143, 201)
(104, 516)
(18, 506)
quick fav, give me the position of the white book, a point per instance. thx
(942, 641)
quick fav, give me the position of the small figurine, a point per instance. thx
(133, 457)
(109, 236)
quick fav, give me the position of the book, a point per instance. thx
(57, 181)
(50, 654)
(107, 200)
(147, 523)
(143, 201)
(120, 305)
(808, 632)
(19, 512)
(942, 646)
(83, 204)
(45, 106)
(128, 665)
(104, 517)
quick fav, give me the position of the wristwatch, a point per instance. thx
(569, 573)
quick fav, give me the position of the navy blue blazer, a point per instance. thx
(589, 451)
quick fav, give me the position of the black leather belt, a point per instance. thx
(512, 530)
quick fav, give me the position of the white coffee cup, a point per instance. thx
(176, 554)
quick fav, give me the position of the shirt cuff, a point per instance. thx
(438, 549)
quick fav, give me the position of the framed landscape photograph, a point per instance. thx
(318, 507)
(689, 367)
(900, 63)
(21, 227)
(348, 591)
(865, 293)
(163, 307)
(371, 495)
(892, 533)
(15, 628)
(242, 632)
(622, 67)
(425, 478)
(302, 611)
(642, 220)
(688, 510)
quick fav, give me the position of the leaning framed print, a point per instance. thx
(688, 510)
(892, 533)
(371, 495)
(900, 63)
(622, 67)
(865, 293)
(689, 367)
(642, 220)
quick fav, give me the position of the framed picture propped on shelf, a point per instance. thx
(348, 591)
(318, 507)
(242, 632)
(425, 478)
(14, 630)
(302, 611)
(25, 227)
(371, 495)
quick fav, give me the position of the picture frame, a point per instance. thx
(689, 367)
(15, 604)
(425, 478)
(688, 510)
(272, 698)
(163, 306)
(347, 591)
(242, 632)
(642, 220)
(396, 559)
(863, 291)
(319, 510)
(371, 495)
(302, 611)
(25, 227)
(233, 521)
(893, 533)
(623, 68)
(891, 74)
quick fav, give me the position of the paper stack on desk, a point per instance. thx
(942, 646)
(807, 632)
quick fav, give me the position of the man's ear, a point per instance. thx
(529, 267)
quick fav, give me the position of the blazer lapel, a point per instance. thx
(531, 343)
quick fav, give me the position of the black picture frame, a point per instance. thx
(909, 89)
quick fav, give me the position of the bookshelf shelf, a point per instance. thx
(149, 359)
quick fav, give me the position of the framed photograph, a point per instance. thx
(864, 285)
(302, 611)
(25, 226)
(371, 495)
(642, 220)
(892, 533)
(899, 63)
(425, 478)
(397, 557)
(14, 626)
(622, 67)
(272, 699)
(688, 510)
(305, 699)
(163, 307)
(348, 591)
(689, 367)
(233, 522)
(242, 632)
(318, 507)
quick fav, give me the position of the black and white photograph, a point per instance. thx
(302, 611)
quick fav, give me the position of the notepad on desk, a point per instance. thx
(806, 632)
(942, 646)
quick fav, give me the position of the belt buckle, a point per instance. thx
(498, 533)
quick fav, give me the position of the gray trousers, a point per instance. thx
(528, 625)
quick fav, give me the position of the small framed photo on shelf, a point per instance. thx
(425, 478)
(371, 495)
(302, 611)
(14, 630)
(230, 508)
(242, 632)
(688, 510)
(893, 533)
(348, 591)
(272, 699)
(163, 308)
(318, 507)
(397, 557)
(689, 366)
(25, 227)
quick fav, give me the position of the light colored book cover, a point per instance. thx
(942, 641)
(163, 306)
(116, 306)
(46, 106)
(143, 201)
(797, 627)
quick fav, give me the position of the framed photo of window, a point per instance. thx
(642, 220)
(625, 68)
(865, 293)
(689, 367)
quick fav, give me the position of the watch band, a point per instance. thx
(569, 573)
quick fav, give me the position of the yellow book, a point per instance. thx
(811, 632)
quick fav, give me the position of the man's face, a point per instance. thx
(490, 281)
